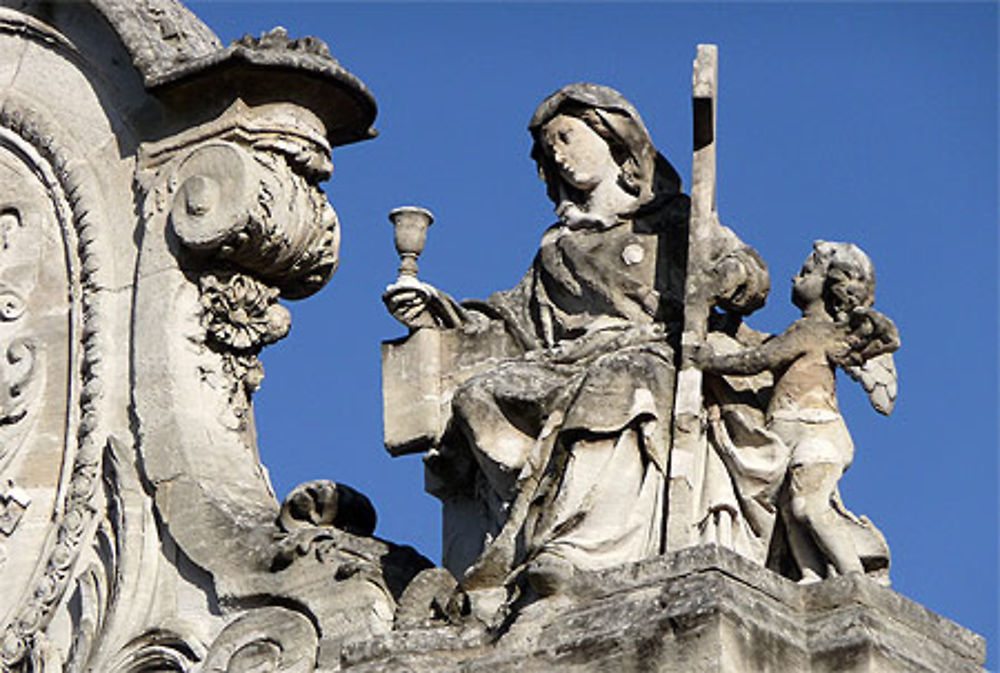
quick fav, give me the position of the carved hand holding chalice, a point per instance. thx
(410, 225)
(410, 301)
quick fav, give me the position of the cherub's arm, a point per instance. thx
(772, 354)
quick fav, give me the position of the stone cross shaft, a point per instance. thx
(686, 462)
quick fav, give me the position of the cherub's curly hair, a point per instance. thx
(850, 277)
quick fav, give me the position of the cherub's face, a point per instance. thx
(582, 156)
(807, 286)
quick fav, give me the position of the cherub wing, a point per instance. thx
(878, 377)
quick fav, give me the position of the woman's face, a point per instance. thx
(582, 156)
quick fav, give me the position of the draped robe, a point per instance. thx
(563, 450)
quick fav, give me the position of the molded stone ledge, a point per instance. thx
(703, 609)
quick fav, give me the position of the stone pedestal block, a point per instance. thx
(701, 610)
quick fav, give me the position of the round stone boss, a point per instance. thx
(215, 182)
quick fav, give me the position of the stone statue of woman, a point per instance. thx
(555, 458)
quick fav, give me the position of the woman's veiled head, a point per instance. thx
(643, 172)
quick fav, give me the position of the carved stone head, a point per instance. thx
(839, 274)
(644, 172)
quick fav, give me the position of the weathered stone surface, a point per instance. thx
(702, 609)
(159, 35)
(835, 290)
(272, 68)
(565, 446)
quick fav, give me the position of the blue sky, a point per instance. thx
(870, 123)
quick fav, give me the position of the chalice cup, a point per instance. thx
(410, 225)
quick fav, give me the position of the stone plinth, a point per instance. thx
(699, 610)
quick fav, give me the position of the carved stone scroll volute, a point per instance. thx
(234, 220)
(259, 208)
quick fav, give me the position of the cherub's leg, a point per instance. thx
(811, 487)
(807, 556)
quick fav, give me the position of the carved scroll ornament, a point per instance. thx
(259, 208)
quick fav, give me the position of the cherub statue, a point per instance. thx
(835, 290)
